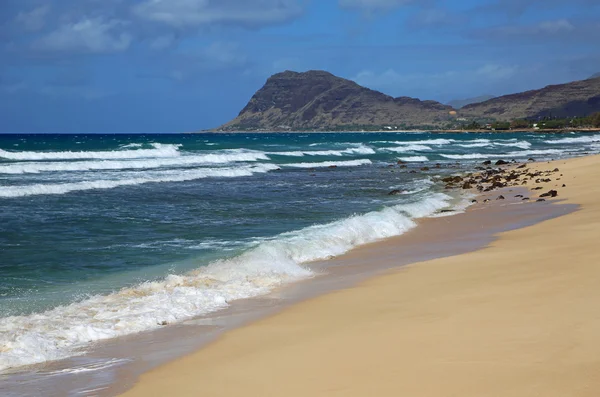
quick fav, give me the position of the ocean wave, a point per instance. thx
(158, 150)
(223, 157)
(349, 163)
(581, 139)
(426, 142)
(300, 153)
(162, 176)
(472, 145)
(417, 159)
(407, 148)
(66, 330)
(524, 153)
(519, 144)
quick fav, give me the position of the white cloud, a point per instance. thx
(87, 35)
(33, 20)
(195, 13)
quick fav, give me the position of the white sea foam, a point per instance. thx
(581, 139)
(524, 153)
(519, 144)
(426, 142)
(158, 150)
(66, 330)
(221, 157)
(416, 159)
(300, 153)
(472, 145)
(407, 148)
(348, 163)
(161, 176)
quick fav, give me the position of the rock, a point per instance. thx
(413, 172)
(473, 201)
(537, 188)
(452, 179)
(530, 159)
(501, 162)
(564, 185)
(525, 198)
(467, 185)
(486, 200)
(487, 162)
(399, 162)
(333, 166)
(438, 165)
(446, 211)
(540, 200)
(501, 197)
(164, 322)
(519, 196)
(395, 192)
(425, 169)
(522, 166)
(556, 170)
(551, 193)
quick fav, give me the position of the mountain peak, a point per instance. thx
(319, 100)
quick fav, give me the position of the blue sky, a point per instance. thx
(184, 65)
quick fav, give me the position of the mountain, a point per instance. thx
(318, 100)
(460, 103)
(579, 98)
(595, 76)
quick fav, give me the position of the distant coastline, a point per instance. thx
(433, 131)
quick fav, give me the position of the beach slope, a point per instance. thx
(518, 318)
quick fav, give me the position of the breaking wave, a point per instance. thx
(158, 150)
(161, 176)
(65, 330)
(324, 164)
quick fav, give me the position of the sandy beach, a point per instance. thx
(518, 318)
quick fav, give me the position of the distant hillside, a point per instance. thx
(579, 98)
(318, 100)
(595, 76)
(460, 103)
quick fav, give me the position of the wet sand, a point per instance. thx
(517, 318)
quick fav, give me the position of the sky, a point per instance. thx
(79, 66)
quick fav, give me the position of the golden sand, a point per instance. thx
(518, 318)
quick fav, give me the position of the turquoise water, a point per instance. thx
(104, 235)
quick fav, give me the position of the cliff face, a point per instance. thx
(319, 100)
(579, 98)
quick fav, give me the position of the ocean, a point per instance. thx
(108, 235)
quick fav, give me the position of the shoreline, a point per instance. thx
(136, 354)
(261, 341)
